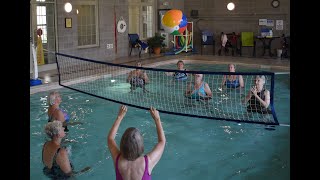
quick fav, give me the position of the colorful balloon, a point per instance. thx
(174, 22)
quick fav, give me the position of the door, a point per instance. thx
(43, 17)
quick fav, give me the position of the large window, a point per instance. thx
(141, 18)
(87, 23)
(42, 22)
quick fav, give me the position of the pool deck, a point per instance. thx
(49, 78)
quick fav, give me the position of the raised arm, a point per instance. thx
(188, 90)
(129, 76)
(248, 97)
(112, 145)
(207, 90)
(241, 81)
(145, 77)
(223, 81)
(156, 153)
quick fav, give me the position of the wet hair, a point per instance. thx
(131, 144)
(180, 61)
(52, 97)
(53, 128)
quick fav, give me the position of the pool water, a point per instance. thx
(196, 148)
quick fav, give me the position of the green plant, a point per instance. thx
(156, 41)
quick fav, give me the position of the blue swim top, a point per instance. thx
(195, 94)
(65, 114)
(232, 84)
(180, 76)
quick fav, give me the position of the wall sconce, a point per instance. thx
(230, 6)
(68, 7)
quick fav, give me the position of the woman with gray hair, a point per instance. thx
(54, 157)
(54, 112)
(258, 97)
(128, 161)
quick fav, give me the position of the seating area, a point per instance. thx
(136, 43)
(207, 38)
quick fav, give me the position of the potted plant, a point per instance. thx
(156, 43)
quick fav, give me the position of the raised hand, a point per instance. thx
(122, 111)
(154, 113)
(254, 90)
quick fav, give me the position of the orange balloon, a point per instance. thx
(172, 18)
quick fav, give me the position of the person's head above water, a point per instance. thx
(260, 80)
(198, 76)
(180, 64)
(139, 64)
(54, 97)
(131, 144)
(232, 67)
(54, 129)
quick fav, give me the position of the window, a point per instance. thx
(87, 23)
(141, 18)
(42, 22)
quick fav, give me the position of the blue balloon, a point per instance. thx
(183, 22)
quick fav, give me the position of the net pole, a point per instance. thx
(35, 64)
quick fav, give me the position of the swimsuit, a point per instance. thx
(255, 106)
(137, 81)
(66, 116)
(146, 175)
(55, 172)
(180, 76)
(232, 84)
(195, 94)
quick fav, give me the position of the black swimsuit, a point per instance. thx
(255, 106)
(55, 172)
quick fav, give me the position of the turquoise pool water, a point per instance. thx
(196, 148)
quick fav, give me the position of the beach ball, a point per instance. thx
(174, 22)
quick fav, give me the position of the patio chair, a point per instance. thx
(135, 42)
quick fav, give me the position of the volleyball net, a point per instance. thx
(110, 82)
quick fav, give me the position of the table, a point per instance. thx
(266, 42)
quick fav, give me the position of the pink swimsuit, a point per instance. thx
(145, 176)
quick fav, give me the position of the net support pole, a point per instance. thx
(34, 81)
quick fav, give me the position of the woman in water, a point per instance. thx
(129, 161)
(54, 157)
(232, 81)
(54, 112)
(199, 89)
(258, 97)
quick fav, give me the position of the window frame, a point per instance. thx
(136, 3)
(95, 3)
